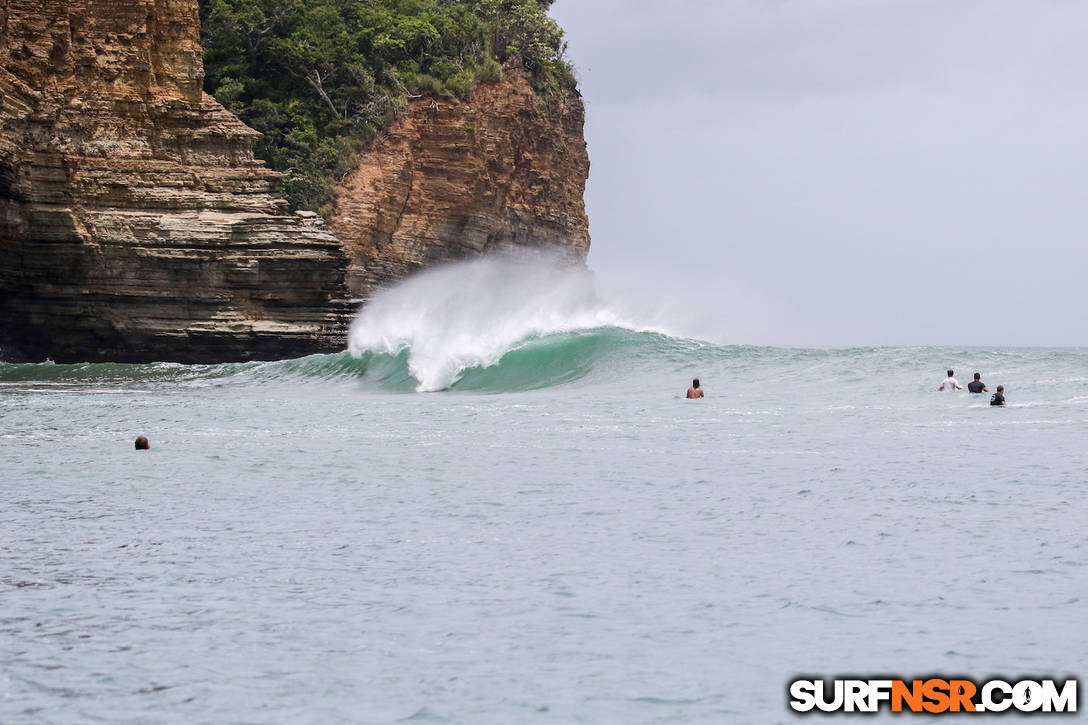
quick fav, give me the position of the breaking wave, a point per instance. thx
(540, 320)
(490, 325)
(534, 362)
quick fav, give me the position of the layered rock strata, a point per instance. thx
(135, 224)
(506, 169)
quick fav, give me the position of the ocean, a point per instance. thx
(498, 507)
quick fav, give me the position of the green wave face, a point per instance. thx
(544, 362)
(598, 357)
(536, 362)
(533, 363)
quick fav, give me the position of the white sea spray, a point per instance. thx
(470, 314)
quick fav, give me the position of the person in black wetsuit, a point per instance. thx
(998, 398)
(976, 385)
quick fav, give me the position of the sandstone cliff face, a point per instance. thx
(450, 180)
(135, 223)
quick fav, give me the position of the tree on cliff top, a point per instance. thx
(319, 78)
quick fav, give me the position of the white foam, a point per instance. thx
(470, 314)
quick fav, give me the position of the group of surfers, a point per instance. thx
(950, 383)
(975, 386)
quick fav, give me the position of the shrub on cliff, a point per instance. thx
(320, 77)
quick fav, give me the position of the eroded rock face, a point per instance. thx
(135, 224)
(450, 180)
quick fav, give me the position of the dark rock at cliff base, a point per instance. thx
(135, 224)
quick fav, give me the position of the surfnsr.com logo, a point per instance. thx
(934, 695)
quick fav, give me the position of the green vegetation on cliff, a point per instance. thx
(319, 78)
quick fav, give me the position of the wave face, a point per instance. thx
(494, 324)
(509, 324)
(541, 321)
(542, 361)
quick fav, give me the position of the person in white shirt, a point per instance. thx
(949, 383)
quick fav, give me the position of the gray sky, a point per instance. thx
(840, 172)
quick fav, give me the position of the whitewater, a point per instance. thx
(496, 507)
(469, 316)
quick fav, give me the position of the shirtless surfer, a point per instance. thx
(695, 391)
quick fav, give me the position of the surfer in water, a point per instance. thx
(142, 443)
(998, 398)
(949, 383)
(976, 385)
(696, 390)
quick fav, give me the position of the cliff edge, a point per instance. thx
(504, 170)
(135, 224)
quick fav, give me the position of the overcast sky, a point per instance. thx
(840, 172)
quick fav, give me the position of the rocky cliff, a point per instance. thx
(135, 223)
(507, 168)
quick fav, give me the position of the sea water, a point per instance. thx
(498, 507)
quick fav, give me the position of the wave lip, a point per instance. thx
(469, 316)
